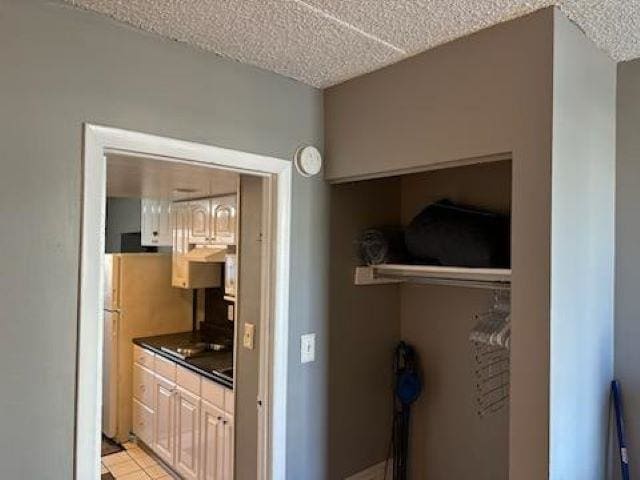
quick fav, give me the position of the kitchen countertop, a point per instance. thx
(207, 364)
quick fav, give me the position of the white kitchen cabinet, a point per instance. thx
(211, 442)
(143, 381)
(190, 424)
(142, 422)
(212, 221)
(200, 221)
(223, 219)
(227, 447)
(155, 223)
(164, 419)
(187, 434)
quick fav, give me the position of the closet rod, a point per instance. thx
(492, 279)
(447, 281)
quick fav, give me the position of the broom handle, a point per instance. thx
(622, 444)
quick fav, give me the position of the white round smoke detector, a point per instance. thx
(308, 161)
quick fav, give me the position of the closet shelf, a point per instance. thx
(491, 278)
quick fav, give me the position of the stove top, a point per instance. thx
(190, 350)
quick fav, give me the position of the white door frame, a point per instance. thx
(98, 141)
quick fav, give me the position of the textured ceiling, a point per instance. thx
(324, 42)
(139, 177)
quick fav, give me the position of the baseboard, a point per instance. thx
(374, 472)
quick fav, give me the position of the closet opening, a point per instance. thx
(456, 316)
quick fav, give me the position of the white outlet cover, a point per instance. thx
(308, 348)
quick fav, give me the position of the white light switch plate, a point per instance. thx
(249, 333)
(308, 348)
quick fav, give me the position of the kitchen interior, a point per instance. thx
(170, 360)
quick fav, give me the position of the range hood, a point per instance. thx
(202, 254)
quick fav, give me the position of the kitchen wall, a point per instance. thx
(63, 67)
(582, 254)
(123, 216)
(627, 326)
(482, 95)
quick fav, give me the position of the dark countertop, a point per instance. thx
(207, 364)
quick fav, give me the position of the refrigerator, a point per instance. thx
(139, 301)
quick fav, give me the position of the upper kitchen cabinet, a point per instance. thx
(212, 221)
(155, 222)
(200, 221)
(185, 273)
(223, 216)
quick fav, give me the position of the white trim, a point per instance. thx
(99, 140)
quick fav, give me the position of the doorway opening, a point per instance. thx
(186, 348)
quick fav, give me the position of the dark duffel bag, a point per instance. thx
(447, 234)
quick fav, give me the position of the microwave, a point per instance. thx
(230, 274)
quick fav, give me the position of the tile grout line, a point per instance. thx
(350, 26)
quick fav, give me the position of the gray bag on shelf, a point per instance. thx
(382, 245)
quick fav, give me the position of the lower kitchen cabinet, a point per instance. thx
(187, 422)
(164, 444)
(216, 444)
(142, 422)
(187, 434)
(227, 468)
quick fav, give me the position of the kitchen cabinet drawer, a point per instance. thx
(143, 422)
(143, 385)
(213, 393)
(143, 357)
(188, 380)
(165, 368)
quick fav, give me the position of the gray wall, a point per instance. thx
(123, 216)
(63, 67)
(627, 326)
(484, 94)
(582, 253)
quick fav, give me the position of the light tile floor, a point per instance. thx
(133, 463)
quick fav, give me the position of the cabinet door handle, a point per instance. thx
(155, 233)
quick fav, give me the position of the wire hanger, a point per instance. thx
(491, 340)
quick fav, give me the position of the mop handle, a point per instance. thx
(617, 403)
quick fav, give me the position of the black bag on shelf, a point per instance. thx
(382, 245)
(452, 235)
